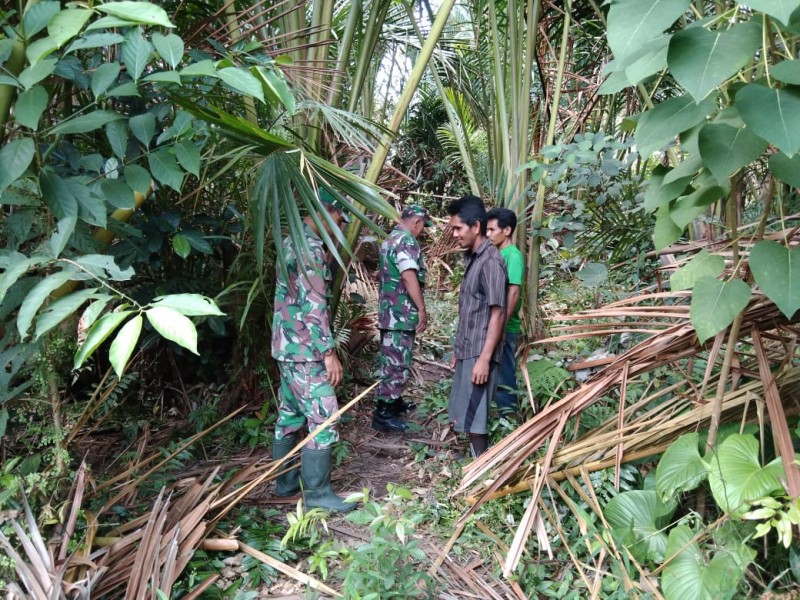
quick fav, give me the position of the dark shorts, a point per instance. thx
(468, 408)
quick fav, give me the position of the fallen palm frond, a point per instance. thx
(645, 427)
(142, 557)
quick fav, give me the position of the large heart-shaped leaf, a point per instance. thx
(726, 149)
(665, 231)
(634, 23)
(659, 193)
(785, 168)
(772, 114)
(700, 60)
(687, 208)
(787, 71)
(639, 517)
(776, 270)
(242, 81)
(681, 468)
(137, 12)
(736, 476)
(689, 576)
(702, 265)
(659, 126)
(780, 9)
(715, 305)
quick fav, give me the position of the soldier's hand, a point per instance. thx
(423, 321)
(333, 369)
(480, 372)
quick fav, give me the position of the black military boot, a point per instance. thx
(385, 418)
(401, 407)
(288, 483)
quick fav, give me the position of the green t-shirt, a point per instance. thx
(515, 267)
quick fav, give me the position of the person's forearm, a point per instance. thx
(494, 332)
(513, 298)
(413, 288)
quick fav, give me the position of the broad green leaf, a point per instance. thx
(144, 13)
(776, 270)
(67, 24)
(117, 135)
(593, 274)
(60, 237)
(95, 40)
(165, 169)
(124, 344)
(135, 52)
(787, 71)
(85, 123)
(138, 178)
(103, 76)
(772, 114)
(632, 24)
(59, 310)
(29, 107)
(681, 468)
(715, 305)
(658, 193)
(36, 297)
(143, 127)
(780, 9)
(242, 81)
(687, 208)
(164, 77)
(36, 51)
(181, 245)
(174, 326)
(15, 158)
(98, 334)
(659, 126)
(91, 313)
(105, 267)
(38, 15)
(188, 155)
(688, 575)
(649, 60)
(615, 82)
(35, 73)
(126, 89)
(702, 265)
(169, 47)
(279, 88)
(204, 68)
(57, 194)
(108, 23)
(641, 514)
(189, 305)
(786, 169)
(701, 60)
(726, 149)
(117, 193)
(15, 270)
(736, 476)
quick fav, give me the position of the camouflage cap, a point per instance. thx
(327, 198)
(415, 210)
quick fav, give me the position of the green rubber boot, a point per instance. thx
(288, 483)
(316, 476)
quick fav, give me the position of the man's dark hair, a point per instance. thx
(505, 217)
(470, 210)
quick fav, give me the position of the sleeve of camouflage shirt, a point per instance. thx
(407, 256)
(320, 297)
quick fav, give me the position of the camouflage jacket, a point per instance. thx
(301, 325)
(399, 252)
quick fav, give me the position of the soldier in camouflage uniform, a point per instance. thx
(303, 346)
(401, 314)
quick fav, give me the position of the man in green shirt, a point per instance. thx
(500, 225)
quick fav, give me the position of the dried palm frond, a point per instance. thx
(517, 462)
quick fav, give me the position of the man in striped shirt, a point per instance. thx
(481, 317)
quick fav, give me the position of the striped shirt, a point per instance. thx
(483, 286)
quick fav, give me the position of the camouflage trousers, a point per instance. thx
(306, 397)
(397, 348)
